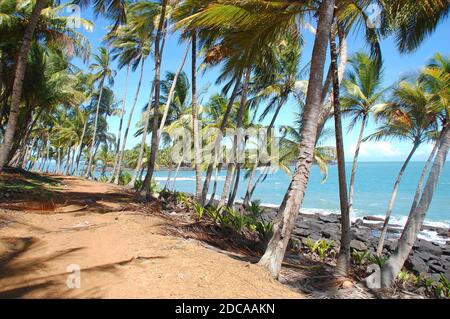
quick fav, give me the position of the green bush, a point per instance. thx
(125, 178)
(360, 257)
(198, 210)
(377, 260)
(321, 247)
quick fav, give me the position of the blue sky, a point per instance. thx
(395, 66)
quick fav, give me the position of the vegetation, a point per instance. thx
(54, 114)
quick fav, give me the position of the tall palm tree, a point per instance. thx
(343, 260)
(131, 46)
(409, 117)
(436, 79)
(22, 13)
(362, 95)
(102, 72)
(18, 81)
(145, 188)
(290, 206)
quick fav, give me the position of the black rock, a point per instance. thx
(429, 247)
(437, 267)
(358, 245)
(416, 264)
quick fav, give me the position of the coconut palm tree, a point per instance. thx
(22, 13)
(102, 72)
(409, 117)
(362, 95)
(131, 46)
(145, 188)
(436, 79)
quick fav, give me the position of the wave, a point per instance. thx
(399, 223)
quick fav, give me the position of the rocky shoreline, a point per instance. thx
(427, 257)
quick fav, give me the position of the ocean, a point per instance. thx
(373, 187)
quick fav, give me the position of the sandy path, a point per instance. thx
(121, 255)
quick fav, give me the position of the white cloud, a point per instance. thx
(376, 150)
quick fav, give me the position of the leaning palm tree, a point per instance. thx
(409, 117)
(362, 95)
(102, 72)
(436, 79)
(131, 46)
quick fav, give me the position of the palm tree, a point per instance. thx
(343, 261)
(412, 22)
(145, 188)
(19, 13)
(18, 81)
(131, 46)
(409, 117)
(290, 206)
(362, 95)
(102, 72)
(436, 79)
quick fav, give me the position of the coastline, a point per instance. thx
(429, 256)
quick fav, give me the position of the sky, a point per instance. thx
(396, 66)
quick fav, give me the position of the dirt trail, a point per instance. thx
(121, 251)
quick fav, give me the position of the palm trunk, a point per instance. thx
(195, 123)
(66, 169)
(216, 181)
(218, 140)
(273, 257)
(260, 179)
(29, 151)
(343, 260)
(139, 170)
(143, 139)
(119, 136)
(380, 245)
(246, 202)
(80, 152)
(19, 75)
(130, 117)
(145, 188)
(95, 128)
(239, 148)
(171, 93)
(169, 175)
(176, 173)
(226, 185)
(422, 176)
(355, 164)
(58, 160)
(386, 276)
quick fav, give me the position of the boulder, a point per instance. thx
(329, 218)
(358, 245)
(374, 218)
(390, 245)
(416, 264)
(427, 246)
(359, 222)
(425, 256)
(436, 267)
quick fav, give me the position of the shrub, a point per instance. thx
(360, 257)
(198, 210)
(125, 178)
(378, 260)
(321, 247)
(264, 229)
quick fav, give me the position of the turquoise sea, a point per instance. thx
(373, 187)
